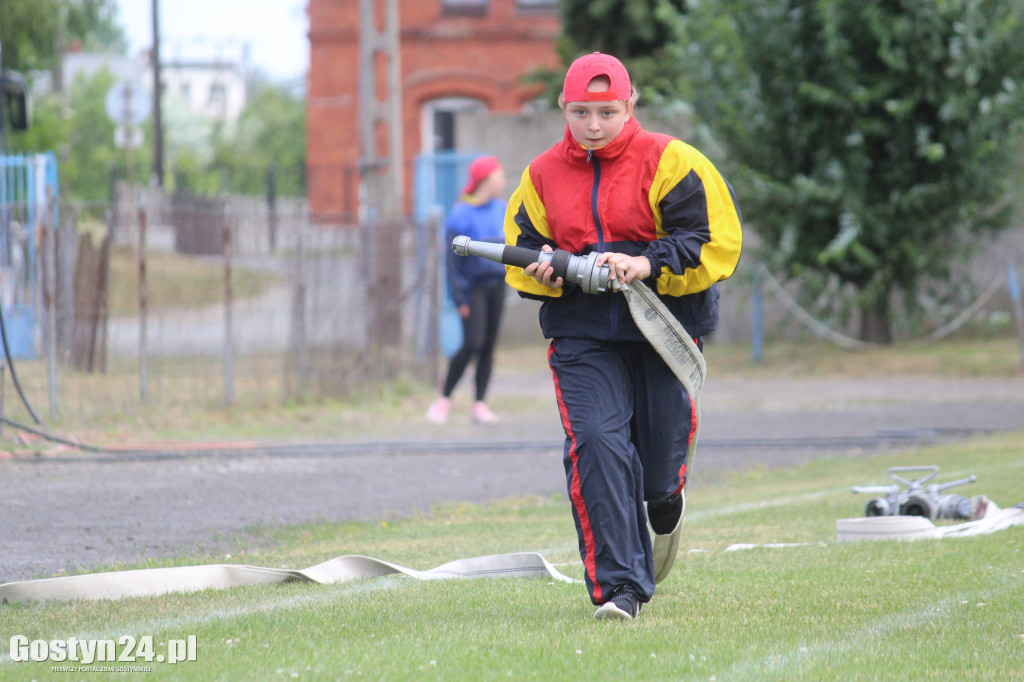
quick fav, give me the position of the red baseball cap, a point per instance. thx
(587, 68)
(479, 170)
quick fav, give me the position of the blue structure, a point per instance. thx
(28, 193)
(439, 180)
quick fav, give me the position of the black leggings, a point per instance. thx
(479, 336)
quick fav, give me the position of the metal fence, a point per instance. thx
(164, 302)
(28, 190)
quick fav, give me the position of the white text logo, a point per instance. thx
(125, 649)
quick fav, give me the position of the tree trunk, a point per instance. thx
(875, 325)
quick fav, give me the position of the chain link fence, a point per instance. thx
(174, 302)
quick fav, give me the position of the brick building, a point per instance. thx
(456, 55)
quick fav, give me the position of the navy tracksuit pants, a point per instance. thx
(479, 337)
(628, 422)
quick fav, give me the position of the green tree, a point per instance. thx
(78, 129)
(635, 31)
(190, 138)
(28, 33)
(871, 142)
(625, 28)
(270, 131)
(84, 135)
(31, 30)
(876, 140)
(94, 26)
(85, 168)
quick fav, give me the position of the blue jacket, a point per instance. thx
(479, 222)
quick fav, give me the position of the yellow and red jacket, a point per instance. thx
(642, 194)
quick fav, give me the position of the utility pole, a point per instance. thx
(3, 102)
(158, 128)
(382, 178)
(58, 66)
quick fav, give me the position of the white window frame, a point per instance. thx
(428, 142)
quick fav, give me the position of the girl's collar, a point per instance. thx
(577, 152)
(474, 201)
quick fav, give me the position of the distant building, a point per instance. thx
(456, 55)
(88, 64)
(216, 87)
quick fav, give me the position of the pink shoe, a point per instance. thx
(482, 414)
(437, 413)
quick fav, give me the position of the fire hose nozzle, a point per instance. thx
(917, 499)
(581, 270)
(460, 245)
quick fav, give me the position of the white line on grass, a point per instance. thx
(857, 637)
(700, 514)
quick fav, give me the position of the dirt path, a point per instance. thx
(77, 514)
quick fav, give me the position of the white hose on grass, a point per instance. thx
(157, 581)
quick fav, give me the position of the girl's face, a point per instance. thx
(492, 186)
(595, 124)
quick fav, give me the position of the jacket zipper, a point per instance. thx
(596, 165)
(613, 318)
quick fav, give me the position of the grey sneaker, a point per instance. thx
(624, 605)
(666, 520)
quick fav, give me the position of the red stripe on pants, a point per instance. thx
(693, 433)
(575, 491)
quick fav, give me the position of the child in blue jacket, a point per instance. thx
(477, 286)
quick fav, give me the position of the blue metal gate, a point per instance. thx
(28, 196)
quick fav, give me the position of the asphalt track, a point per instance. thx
(86, 510)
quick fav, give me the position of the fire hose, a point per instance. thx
(157, 581)
(659, 326)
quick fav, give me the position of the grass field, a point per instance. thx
(177, 281)
(929, 610)
(954, 357)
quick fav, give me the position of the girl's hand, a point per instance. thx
(625, 268)
(464, 311)
(542, 272)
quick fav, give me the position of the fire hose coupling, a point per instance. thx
(581, 270)
(918, 499)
